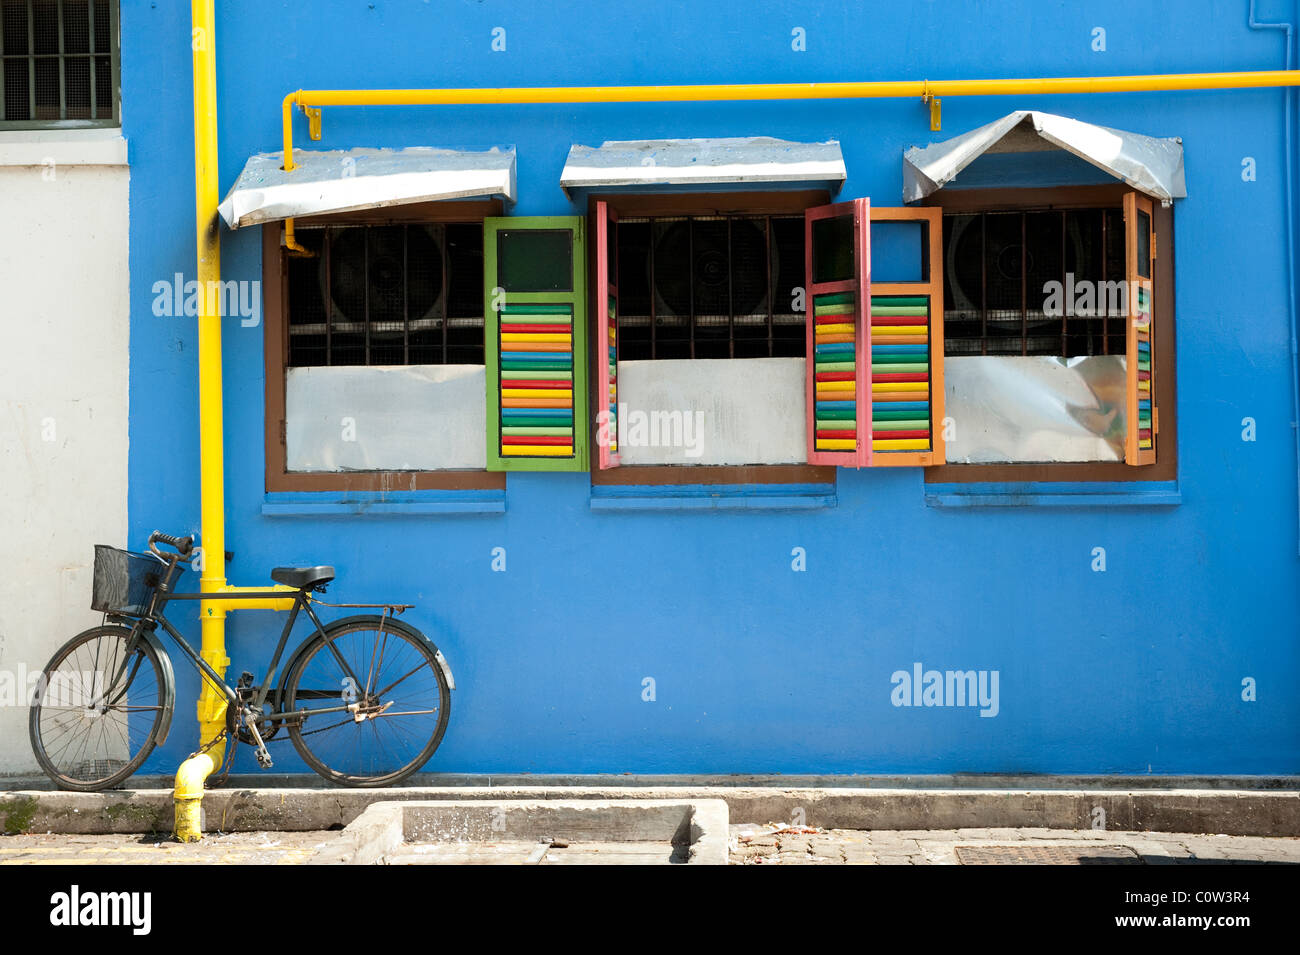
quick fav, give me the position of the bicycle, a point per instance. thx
(365, 699)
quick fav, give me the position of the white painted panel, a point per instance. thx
(63, 405)
(1012, 409)
(712, 411)
(390, 418)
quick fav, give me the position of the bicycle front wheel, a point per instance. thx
(373, 703)
(96, 711)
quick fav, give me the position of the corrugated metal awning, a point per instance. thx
(756, 160)
(1150, 165)
(347, 180)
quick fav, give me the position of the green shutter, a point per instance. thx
(535, 271)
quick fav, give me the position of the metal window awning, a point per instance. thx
(347, 180)
(759, 161)
(1150, 165)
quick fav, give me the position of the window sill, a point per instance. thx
(713, 497)
(1105, 494)
(375, 504)
(103, 146)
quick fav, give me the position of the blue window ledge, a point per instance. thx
(379, 504)
(1101, 494)
(713, 497)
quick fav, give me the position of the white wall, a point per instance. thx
(386, 418)
(713, 411)
(63, 394)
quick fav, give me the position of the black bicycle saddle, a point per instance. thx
(304, 578)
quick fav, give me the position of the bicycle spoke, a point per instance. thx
(96, 709)
(401, 731)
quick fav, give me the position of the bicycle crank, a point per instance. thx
(263, 756)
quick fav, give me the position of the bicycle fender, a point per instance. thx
(168, 687)
(391, 623)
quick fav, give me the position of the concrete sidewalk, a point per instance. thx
(750, 844)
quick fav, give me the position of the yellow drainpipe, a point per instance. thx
(188, 794)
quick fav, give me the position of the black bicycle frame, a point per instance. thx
(301, 601)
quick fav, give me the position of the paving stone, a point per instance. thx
(833, 847)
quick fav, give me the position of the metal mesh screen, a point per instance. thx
(387, 295)
(999, 267)
(58, 61)
(711, 287)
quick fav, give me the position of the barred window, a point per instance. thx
(60, 63)
(1000, 266)
(711, 287)
(387, 295)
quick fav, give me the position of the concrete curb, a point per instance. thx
(1021, 781)
(1240, 813)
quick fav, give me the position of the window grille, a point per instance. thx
(59, 63)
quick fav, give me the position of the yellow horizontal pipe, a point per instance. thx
(261, 603)
(778, 91)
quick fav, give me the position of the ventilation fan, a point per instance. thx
(965, 262)
(396, 287)
(694, 256)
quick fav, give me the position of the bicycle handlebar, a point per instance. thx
(183, 545)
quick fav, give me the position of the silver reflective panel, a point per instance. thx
(1009, 409)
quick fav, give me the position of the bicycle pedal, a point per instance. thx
(245, 680)
(264, 759)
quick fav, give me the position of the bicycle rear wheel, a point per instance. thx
(96, 711)
(399, 701)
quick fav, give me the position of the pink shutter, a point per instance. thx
(607, 335)
(837, 299)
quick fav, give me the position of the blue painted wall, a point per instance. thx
(1134, 670)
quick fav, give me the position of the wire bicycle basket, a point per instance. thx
(124, 581)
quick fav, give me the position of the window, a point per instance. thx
(406, 294)
(60, 63)
(1059, 335)
(722, 286)
(736, 343)
(376, 361)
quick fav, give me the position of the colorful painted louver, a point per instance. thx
(907, 352)
(1140, 253)
(606, 357)
(835, 369)
(837, 263)
(535, 275)
(900, 373)
(536, 357)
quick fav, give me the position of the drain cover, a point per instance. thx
(1047, 855)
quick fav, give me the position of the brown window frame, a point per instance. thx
(1085, 197)
(697, 204)
(275, 311)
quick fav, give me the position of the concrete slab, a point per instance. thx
(537, 831)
